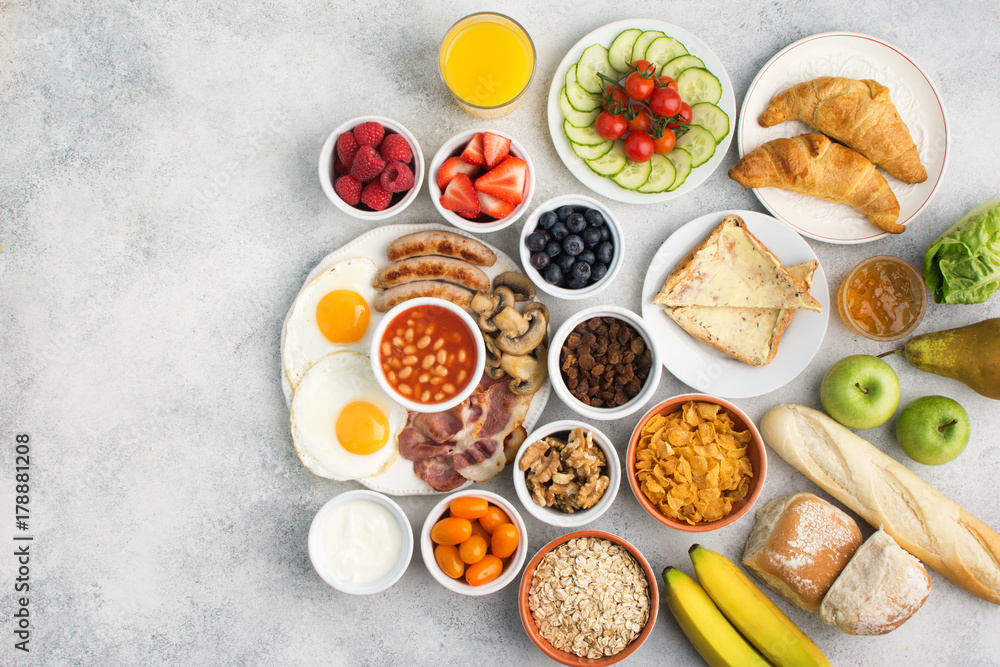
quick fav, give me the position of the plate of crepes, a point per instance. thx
(345, 427)
(738, 301)
(842, 136)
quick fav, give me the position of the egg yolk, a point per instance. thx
(342, 316)
(362, 428)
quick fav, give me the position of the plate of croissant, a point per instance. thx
(843, 137)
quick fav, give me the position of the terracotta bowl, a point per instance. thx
(565, 657)
(755, 452)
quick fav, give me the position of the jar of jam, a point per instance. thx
(882, 298)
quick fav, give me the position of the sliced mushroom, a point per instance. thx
(513, 341)
(511, 322)
(484, 303)
(518, 283)
(527, 371)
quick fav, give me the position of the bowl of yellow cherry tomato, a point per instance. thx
(474, 542)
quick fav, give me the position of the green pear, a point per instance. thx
(969, 354)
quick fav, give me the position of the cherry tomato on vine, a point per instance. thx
(617, 96)
(643, 66)
(666, 82)
(685, 113)
(638, 87)
(638, 147)
(665, 102)
(665, 143)
(610, 126)
(641, 121)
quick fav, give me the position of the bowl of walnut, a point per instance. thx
(567, 473)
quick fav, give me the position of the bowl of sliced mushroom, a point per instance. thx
(567, 473)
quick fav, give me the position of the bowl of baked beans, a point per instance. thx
(428, 354)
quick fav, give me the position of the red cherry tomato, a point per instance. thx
(451, 530)
(610, 126)
(504, 541)
(473, 549)
(468, 507)
(617, 95)
(638, 87)
(494, 517)
(666, 143)
(667, 82)
(449, 560)
(638, 147)
(644, 66)
(485, 571)
(684, 113)
(665, 102)
(641, 121)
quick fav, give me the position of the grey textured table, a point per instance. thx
(159, 208)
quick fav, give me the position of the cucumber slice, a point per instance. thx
(574, 117)
(594, 60)
(712, 118)
(577, 97)
(681, 63)
(699, 85)
(699, 142)
(633, 175)
(585, 136)
(661, 175)
(591, 152)
(639, 48)
(611, 162)
(681, 160)
(662, 50)
(620, 51)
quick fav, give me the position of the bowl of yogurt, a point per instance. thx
(360, 542)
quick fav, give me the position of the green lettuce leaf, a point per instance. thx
(963, 265)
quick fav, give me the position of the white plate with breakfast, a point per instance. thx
(738, 302)
(825, 74)
(343, 299)
(574, 104)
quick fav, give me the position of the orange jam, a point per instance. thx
(882, 298)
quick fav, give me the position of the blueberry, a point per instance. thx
(547, 219)
(553, 248)
(572, 245)
(535, 241)
(565, 262)
(605, 252)
(591, 236)
(587, 257)
(594, 217)
(553, 274)
(539, 260)
(598, 271)
(559, 231)
(574, 283)
(605, 233)
(576, 223)
(580, 271)
(564, 212)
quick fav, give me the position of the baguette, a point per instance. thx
(888, 496)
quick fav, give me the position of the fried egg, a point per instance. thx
(343, 425)
(332, 313)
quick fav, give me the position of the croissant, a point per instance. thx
(856, 113)
(813, 165)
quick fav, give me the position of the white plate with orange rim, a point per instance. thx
(399, 479)
(705, 368)
(855, 56)
(605, 186)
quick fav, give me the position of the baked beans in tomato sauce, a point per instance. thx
(428, 354)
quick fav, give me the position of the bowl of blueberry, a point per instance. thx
(571, 247)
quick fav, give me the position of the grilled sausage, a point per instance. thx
(433, 267)
(448, 244)
(387, 298)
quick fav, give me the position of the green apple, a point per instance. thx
(933, 430)
(860, 391)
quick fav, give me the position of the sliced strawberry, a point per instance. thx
(506, 180)
(460, 196)
(494, 207)
(495, 148)
(473, 153)
(453, 166)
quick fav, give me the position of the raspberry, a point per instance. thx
(339, 168)
(375, 196)
(395, 147)
(369, 134)
(349, 189)
(396, 177)
(347, 146)
(367, 164)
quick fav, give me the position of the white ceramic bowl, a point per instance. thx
(517, 559)
(552, 516)
(637, 401)
(326, 175)
(531, 224)
(454, 146)
(317, 549)
(375, 353)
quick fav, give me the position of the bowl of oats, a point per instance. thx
(567, 473)
(588, 598)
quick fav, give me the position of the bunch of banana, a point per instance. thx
(726, 588)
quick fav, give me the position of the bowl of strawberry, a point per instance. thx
(481, 181)
(371, 167)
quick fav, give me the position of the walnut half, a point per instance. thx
(566, 474)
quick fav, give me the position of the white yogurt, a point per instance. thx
(362, 541)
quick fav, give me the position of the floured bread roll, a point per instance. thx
(799, 546)
(879, 589)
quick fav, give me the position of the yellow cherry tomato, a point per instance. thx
(477, 529)
(494, 517)
(504, 540)
(451, 530)
(449, 560)
(473, 549)
(485, 571)
(468, 507)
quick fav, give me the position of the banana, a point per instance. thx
(753, 613)
(712, 635)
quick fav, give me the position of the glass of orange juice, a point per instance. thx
(487, 61)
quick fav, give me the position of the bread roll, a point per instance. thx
(921, 519)
(879, 589)
(798, 547)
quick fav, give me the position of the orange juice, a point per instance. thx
(487, 61)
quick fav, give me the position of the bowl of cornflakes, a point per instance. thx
(696, 463)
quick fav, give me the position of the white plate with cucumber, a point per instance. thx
(574, 103)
